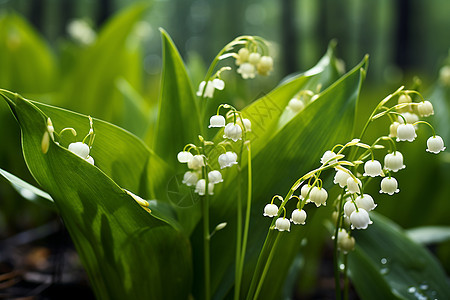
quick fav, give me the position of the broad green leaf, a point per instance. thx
(21, 51)
(429, 234)
(29, 191)
(178, 120)
(111, 232)
(91, 88)
(385, 256)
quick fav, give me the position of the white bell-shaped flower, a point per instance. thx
(341, 178)
(217, 121)
(190, 178)
(406, 132)
(298, 216)
(270, 210)
(394, 161)
(328, 157)
(389, 186)
(215, 177)
(372, 168)
(254, 58)
(349, 208)
(184, 156)
(354, 186)
(393, 129)
(283, 224)
(80, 149)
(218, 84)
(345, 242)
(409, 117)
(247, 70)
(196, 162)
(403, 99)
(365, 201)
(425, 109)
(227, 159)
(318, 196)
(296, 105)
(265, 65)
(232, 131)
(200, 187)
(360, 219)
(242, 56)
(435, 144)
(304, 191)
(244, 123)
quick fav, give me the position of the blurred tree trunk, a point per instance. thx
(36, 14)
(402, 47)
(289, 36)
(104, 11)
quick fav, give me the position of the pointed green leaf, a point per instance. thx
(386, 255)
(111, 232)
(178, 121)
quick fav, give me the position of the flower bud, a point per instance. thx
(265, 65)
(404, 98)
(345, 242)
(296, 105)
(254, 58)
(393, 129)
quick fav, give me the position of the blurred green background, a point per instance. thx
(45, 57)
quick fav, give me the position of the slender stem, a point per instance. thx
(206, 248)
(266, 267)
(246, 225)
(237, 275)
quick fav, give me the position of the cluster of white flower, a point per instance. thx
(234, 131)
(251, 62)
(353, 205)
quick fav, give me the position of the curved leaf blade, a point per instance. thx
(385, 254)
(104, 221)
